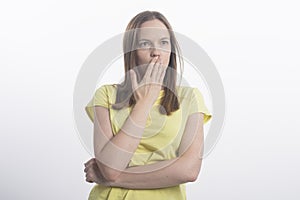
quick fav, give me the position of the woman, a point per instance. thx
(148, 132)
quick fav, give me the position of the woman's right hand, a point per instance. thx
(149, 87)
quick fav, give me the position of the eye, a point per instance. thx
(144, 44)
(165, 42)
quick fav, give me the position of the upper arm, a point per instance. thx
(193, 136)
(198, 114)
(191, 146)
(102, 128)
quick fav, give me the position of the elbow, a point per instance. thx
(192, 176)
(193, 171)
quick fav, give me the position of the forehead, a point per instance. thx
(153, 29)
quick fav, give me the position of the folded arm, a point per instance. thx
(113, 153)
(167, 173)
(173, 172)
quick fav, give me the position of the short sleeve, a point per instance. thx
(197, 104)
(100, 98)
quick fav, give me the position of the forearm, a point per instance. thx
(184, 169)
(159, 175)
(116, 154)
(176, 171)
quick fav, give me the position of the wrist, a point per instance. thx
(143, 106)
(145, 102)
(133, 128)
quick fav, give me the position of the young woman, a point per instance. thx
(148, 131)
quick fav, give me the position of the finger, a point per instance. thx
(154, 73)
(90, 166)
(156, 69)
(90, 174)
(91, 160)
(159, 72)
(133, 79)
(162, 76)
(86, 169)
(89, 178)
(150, 67)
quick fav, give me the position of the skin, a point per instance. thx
(116, 151)
(162, 174)
(153, 40)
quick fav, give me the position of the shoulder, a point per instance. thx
(107, 89)
(185, 91)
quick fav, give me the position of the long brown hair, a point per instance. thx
(169, 103)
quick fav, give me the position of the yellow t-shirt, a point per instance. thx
(160, 141)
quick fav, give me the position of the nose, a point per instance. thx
(155, 52)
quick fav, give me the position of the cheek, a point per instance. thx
(166, 58)
(143, 57)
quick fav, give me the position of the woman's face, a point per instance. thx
(153, 40)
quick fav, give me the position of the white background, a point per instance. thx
(254, 44)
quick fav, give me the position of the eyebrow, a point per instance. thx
(163, 38)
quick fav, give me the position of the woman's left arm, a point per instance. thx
(172, 172)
